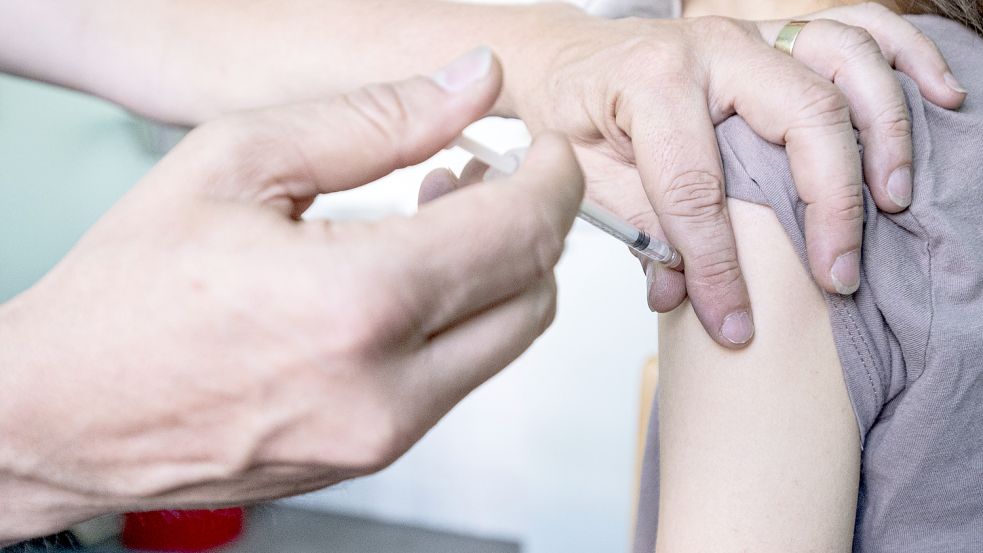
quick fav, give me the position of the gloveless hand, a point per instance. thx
(203, 346)
(640, 99)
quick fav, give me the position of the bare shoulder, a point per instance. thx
(760, 448)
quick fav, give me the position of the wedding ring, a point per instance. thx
(788, 34)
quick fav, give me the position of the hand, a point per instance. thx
(203, 346)
(640, 99)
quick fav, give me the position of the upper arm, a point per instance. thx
(759, 449)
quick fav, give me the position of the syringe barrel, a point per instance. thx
(594, 214)
(634, 238)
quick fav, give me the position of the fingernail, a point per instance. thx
(846, 273)
(950, 80)
(465, 71)
(899, 186)
(738, 328)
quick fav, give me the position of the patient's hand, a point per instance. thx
(641, 98)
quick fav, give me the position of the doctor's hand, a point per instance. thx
(640, 99)
(203, 346)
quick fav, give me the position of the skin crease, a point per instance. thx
(256, 356)
(564, 71)
(236, 334)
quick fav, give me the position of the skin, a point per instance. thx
(759, 449)
(595, 81)
(229, 333)
(202, 346)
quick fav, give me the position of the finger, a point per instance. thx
(665, 288)
(618, 187)
(442, 181)
(474, 172)
(851, 58)
(487, 242)
(786, 103)
(682, 175)
(466, 355)
(909, 50)
(436, 184)
(320, 147)
(904, 46)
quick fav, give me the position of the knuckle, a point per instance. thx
(719, 32)
(670, 64)
(894, 122)
(716, 269)
(697, 196)
(823, 105)
(856, 42)
(249, 148)
(385, 118)
(845, 205)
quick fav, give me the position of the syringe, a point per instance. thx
(640, 241)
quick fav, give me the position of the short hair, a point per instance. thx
(967, 12)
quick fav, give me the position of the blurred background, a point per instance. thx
(542, 459)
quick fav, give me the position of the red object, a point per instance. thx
(182, 531)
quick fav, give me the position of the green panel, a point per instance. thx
(64, 160)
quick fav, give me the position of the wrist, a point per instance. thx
(31, 506)
(528, 47)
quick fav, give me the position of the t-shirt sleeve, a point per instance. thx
(871, 356)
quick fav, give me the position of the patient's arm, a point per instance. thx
(759, 448)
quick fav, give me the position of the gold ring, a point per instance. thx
(788, 34)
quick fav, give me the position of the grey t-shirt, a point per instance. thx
(911, 340)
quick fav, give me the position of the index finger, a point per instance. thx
(677, 156)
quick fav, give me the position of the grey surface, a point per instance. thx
(286, 530)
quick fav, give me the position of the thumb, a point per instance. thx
(296, 152)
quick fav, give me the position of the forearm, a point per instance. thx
(186, 61)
